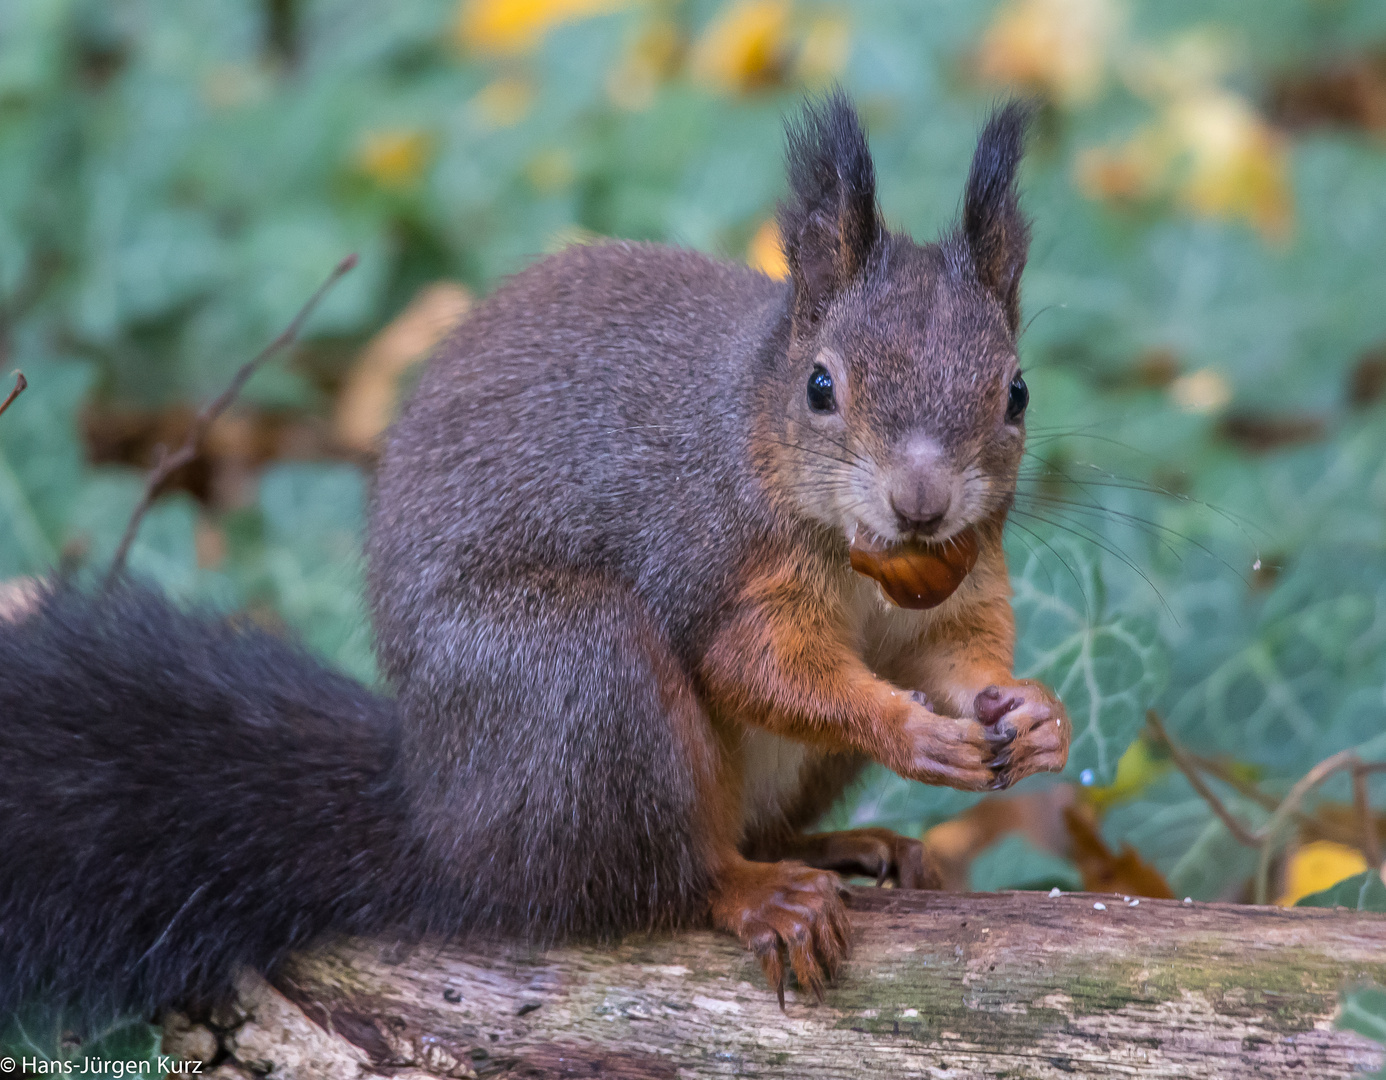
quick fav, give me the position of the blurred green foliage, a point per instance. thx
(1203, 528)
(41, 1036)
(1015, 863)
(1361, 892)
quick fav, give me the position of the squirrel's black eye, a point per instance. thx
(820, 390)
(1020, 397)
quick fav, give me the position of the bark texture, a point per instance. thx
(940, 985)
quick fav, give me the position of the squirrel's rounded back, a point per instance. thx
(594, 411)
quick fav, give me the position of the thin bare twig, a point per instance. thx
(1322, 827)
(1196, 781)
(1344, 759)
(20, 385)
(1286, 810)
(1247, 790)
(169, 463)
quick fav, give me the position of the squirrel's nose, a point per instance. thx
(923, 488)
(923, 514)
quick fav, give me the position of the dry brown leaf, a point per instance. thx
(1345, 92)
(366, 404)
(1104, 870)
(1038, 816)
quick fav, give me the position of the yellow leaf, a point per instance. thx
(1210, 152)
(1193, 62)
(551, 170)
(824, 51)
(1238, 167)
(745, 47)
(510, 27)
(394, 158)
(1058, 47)
(765, 252)
(1318, 866)
(653, 57)
(503, 102)
(1137, 769)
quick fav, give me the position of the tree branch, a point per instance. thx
(980, 986)
(1344, 759)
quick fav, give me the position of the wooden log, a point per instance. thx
(939, 985)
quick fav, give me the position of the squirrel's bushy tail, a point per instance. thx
(180, 796)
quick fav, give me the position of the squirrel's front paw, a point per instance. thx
(956, 752)
(1035, 725)
(785, 910)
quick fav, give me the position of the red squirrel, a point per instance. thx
(611, 570)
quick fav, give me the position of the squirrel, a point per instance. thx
(630, 560)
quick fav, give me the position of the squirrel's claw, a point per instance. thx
(770, 952)
(788, 915)
(1038, 730)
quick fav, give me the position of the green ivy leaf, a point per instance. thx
(1361, 892)
(308, 565)
(881, 799)
(1289, 687)
(41, 468)
(1107, 669)
(46, 1035)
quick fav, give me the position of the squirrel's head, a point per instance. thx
(899, 409)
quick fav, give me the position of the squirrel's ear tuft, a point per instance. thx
(996, 233)
(829, 225)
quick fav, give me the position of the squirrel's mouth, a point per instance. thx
(915, 574)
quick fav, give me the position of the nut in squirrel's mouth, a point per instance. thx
(915, 574)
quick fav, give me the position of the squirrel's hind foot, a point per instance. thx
(785, 912)
(874, 853)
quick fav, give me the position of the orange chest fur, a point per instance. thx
(781, 778)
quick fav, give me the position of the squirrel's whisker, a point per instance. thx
(1013, 523)
(1087, 535)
